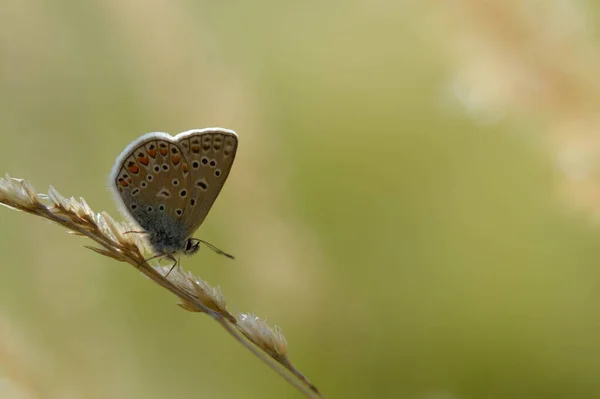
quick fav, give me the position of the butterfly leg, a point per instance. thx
(136, 232)
(176, 262)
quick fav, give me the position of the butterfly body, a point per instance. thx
(167, 184)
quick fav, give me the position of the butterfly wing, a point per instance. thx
(210, 153)
(151, 182)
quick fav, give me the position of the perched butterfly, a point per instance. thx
(168, 184)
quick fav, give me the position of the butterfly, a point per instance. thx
(167, 185)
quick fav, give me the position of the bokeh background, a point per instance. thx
(414, 200)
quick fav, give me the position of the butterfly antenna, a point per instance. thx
(217, 250)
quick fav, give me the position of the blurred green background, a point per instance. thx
(399, 204)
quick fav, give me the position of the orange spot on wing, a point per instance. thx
(195, 149)
(143, 160)
(175, 159)
(124, 183)
(133, 169)
(152, 153)
(163, 151)
(185, 168)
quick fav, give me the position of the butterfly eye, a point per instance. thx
(188, 245)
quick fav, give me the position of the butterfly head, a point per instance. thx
(192, 245)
